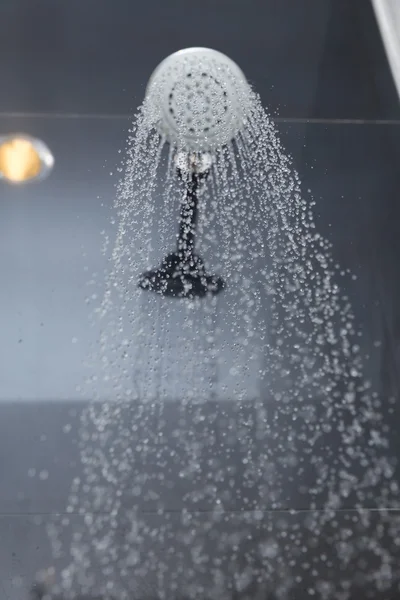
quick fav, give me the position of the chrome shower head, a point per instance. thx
(199, 99)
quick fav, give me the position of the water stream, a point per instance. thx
(209, 414)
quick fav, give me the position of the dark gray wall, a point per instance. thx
(72, 73)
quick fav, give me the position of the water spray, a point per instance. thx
(198, 98)
(312, 435)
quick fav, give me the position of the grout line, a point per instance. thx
(327, 121)
(277, 511)
(290, 511)
(127, 116)
(64, 115)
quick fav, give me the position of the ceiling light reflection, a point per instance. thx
(24, 158)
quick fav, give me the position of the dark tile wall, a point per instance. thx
(310, 61)
(307, 59)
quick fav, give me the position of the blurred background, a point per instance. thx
(73, 74)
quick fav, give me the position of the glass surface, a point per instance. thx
(231, 485)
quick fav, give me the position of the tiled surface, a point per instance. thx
(51, 245)
(306, 58)
(224, 556)
(40, 455)
(223, 458)
(351, 172)
(353, 78)
(51, 240)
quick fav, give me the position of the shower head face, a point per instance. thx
(199, 98)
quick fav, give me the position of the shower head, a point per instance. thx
(198, 99)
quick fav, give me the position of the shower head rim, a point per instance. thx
(223, 75)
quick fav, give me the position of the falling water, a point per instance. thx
(228, 407)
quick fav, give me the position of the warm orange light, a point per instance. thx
(23, 159)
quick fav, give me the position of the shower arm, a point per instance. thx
(188, 216)
(182, 274)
